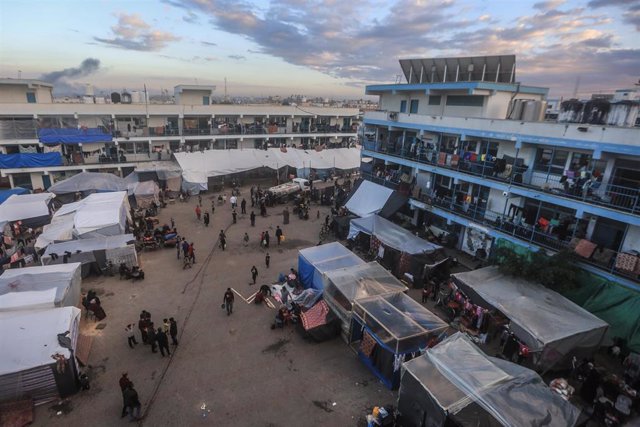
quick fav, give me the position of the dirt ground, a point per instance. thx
(235, 367)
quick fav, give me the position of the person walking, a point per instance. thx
(131, 402)
(206, 219)
(185, 247)
(224, 199)
(234, 201)
(192, 253)
(223, 241)
(151, 338)
(131, 336)
(254, 274)
(267, 259)
(227, 302)
(142, 325)
(243, 206)
(245, 240)
(198, 212)
(278, 234)
(266, 239)
(124, 383)
(163, 341)
(253, 219)
(173, 330)
(234, 214)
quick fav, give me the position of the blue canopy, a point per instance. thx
(29, 160)
(5, 194)
(73, 136)
(316, 260)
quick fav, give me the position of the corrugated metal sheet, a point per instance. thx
(38, 384)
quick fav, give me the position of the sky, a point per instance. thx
(330, 48)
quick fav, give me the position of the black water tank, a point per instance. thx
(115, 97)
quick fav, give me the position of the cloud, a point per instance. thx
(133, 33)
(631, 15)
(237, 57)
(61, 79)
(191, 18)
(206, 43)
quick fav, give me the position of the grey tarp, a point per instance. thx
(544, 320)
(391, 235)
(456, 380)
(89, 181)
(65, 278)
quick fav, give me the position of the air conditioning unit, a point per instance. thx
(393, 115)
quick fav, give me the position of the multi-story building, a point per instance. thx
(42, 141)
(472, 149)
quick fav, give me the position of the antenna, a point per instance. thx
(226, 96)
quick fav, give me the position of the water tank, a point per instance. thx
(516, 109)
(136, 97)
(595, 111)
(115, 98)
(571, 111)
(533, 111)
(126, 98)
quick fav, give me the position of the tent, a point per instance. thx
(32, 209)
(390, 328)
(553, 327)
(64, 278)
(344, 285)
(146, 194)
(368, 198)
(59, 230)
(316, 260)
(99, 214)
(86, 182)
(391, 235)
(28, 300)
(455, 383)
(29, 339)
(319, 323)
(5, 194)
(95, 251)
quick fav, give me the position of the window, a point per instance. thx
(31, 97)
(435, 99)
(465, 101)
(552, 161)
(205, 100)
(403, 106)
(413, 109)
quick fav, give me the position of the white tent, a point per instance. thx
(89, 181)
(28, 300)
(117, 249)
(549, 324)
(29, 340)
(368, 199)
(391, 235)
(65, 278)
(22, 207)
(59, 230)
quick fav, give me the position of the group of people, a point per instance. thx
(156, 338)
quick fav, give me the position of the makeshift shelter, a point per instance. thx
(29, 340)
(146, 194)
(64, 278)
(388, 329)
(398, 249)
(319, 323)
(5, 194)
(368, 198)
(552, 327)
(28, 300)
(456, 384)
(345, 285)
(34, 210)
(100, 214)
(88, 182)
(59, 230)
(316, 260)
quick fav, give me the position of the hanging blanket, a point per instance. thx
(367, 344)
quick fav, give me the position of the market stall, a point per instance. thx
(389, 329)
(316, 260)
(552, 328)
(456, 384)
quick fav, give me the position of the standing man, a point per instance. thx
(124, 383)
(278, 234)
(131, 402)
(142, 325)
(192, 253)
(254, 274)
(253, 219)
(234, 201)
(131, 337)
(163, 342)
(223, 240)
(243, 206)
(151, 338)
(267, 259)
(234, 214)
(198, 212)
(206, 219)
(266, 239)
(245, 240)
(173, 330)
(185, 248)
(228, 301)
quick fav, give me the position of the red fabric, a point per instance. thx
(585, 248)
(315, 316)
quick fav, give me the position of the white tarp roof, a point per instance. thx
(65, 278)
(60, 229)
(30, 338)
(391, 235)
(368, 199)
(23, 206)
(210, 163)
(539, 316)
(28, 300)
(89, 181)
(87, 245)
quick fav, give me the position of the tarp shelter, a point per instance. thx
(29, 338)
(146, 194)
(389, 328)
(553, 327)
(59, 230)
(99, 214)
(64, 278)
(391, 235)
(455, 383)
(32, 209)
(98, 250)
(344, 285)
(28, 300)
(87, 182)
(368, 198)
(5, 194)
(319, 323)
(316, 260)
(29, 160)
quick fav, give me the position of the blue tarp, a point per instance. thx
(30, 160)
(314, 261)
(73, 136)
(5, 194)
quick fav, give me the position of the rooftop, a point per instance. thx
(24, 82)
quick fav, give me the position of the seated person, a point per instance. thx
(280, 316)
(265, 289)
(259, 299)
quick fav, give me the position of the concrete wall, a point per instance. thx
(193, 97)
(36, 181)
(17, 94)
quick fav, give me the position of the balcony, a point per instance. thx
(515, 173)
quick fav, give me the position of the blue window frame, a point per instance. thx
(413, 108)
(403, 106)
(31, 97)
(205, 100)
